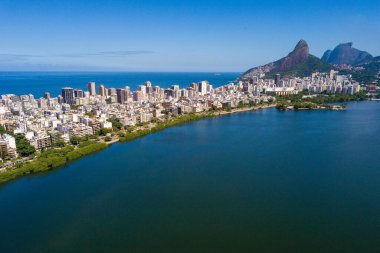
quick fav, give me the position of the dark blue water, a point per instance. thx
(39, 82)
(263, 181)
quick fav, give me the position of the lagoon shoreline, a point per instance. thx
(13, 173)
(10, 174)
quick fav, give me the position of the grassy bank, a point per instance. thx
(163, 125)
(322, 98)
(308, 106)
(299, 102)
(55, 158)
(51, 159)
(182, 119)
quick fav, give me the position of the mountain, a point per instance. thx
(366, 73)
(345, 54)
(364, 68)
(299, 62)
(326, 55)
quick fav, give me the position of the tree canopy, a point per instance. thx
(24, 148)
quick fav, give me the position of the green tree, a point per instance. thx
(104, 131)
(116, 125)
(85, 138)
(60, 143)
(74, 140)
(2, 130)
(24, 148)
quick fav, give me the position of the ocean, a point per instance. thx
(37, 83)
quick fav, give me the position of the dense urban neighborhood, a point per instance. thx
(84, 117)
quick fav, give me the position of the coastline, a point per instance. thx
(59, 158)
(39, 165)
(36, 166)
(189, 118)
(246, 109)
(154, 166)
(51, 160)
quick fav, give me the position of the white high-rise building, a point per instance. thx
(102, 90)
(91, 88)
(202, 87)
(10, 140)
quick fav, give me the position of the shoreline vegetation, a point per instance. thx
(186, 118)
(51, 159)
(302, 101)
(54, 158)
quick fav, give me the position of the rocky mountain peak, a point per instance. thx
(302, 44)
(344, 53)
(348, 44)
(297, 63)
(299, 54)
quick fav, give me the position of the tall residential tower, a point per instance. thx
(91, 88)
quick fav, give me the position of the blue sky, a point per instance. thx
(165, 35)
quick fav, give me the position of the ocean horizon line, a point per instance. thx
(111, 71)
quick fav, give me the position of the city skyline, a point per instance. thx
(222, 36)
(189, 126)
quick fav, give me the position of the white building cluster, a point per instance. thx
(7, 147)
(331, 84)
(79, 113)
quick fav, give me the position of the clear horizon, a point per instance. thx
(112, 71)
(169, 36)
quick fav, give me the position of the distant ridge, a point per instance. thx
(299, 62)
(345, 54)
(363, 67)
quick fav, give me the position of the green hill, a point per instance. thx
(369, 75)
(306, 68)
(297, 63)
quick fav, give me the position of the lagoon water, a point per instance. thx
(260, 181)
